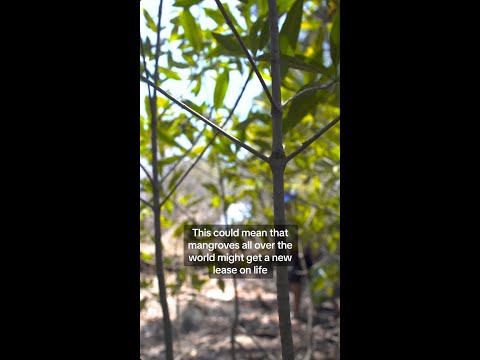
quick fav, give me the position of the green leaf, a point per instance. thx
(216, 201)
(182, 3)
(150, 23)
(221, 284)
(228, 42)
(264, 146)
(335, 39)
(253, 38)
(284, 5)
(197, 87)
(220, 89)
(230, 15)
(145, 283)
(291, 29)
(300, 107)
(174, 179)
(166, 138)
(194, 106)
(142, 303)
(195, 202)
(210, 187)
(243, 125)
(146, 257)
(300, 62)
(256, 42)
(169, 160)
(181, 273)
(170, 74)
(191, 28)
(148, 110)
(197, 282)
(289, 34)
(262, 7)
(148, 48)
(216, 15)
(173, 63)
(264, 35)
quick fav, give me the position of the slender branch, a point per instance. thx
(277, 166)
(209, 143)
(245, 50)
(159, 263)
(147, 203)
(146, 173)
(312, 139)
(312, 88)
(277, 134)
(206, 121)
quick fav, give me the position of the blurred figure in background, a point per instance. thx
(296, 277)
(301, 263)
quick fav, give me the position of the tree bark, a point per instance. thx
(167, 324)
(277, 163)
(283, 300)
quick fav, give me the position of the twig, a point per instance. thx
(245, 50)
(277, 165)
(146, 173)
(312, 139)
(312, 88)
(159, 262)
(276, 112)
(206, 121)
(147, 203)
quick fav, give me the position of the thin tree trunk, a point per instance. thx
(167, 325)
(308, 336)
(282, 271)
(277, 164)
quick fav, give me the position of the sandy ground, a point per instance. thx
(202, 323)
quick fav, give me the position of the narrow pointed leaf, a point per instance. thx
(220, 89)
(191, 28)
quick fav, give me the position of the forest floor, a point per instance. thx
(202, 323)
